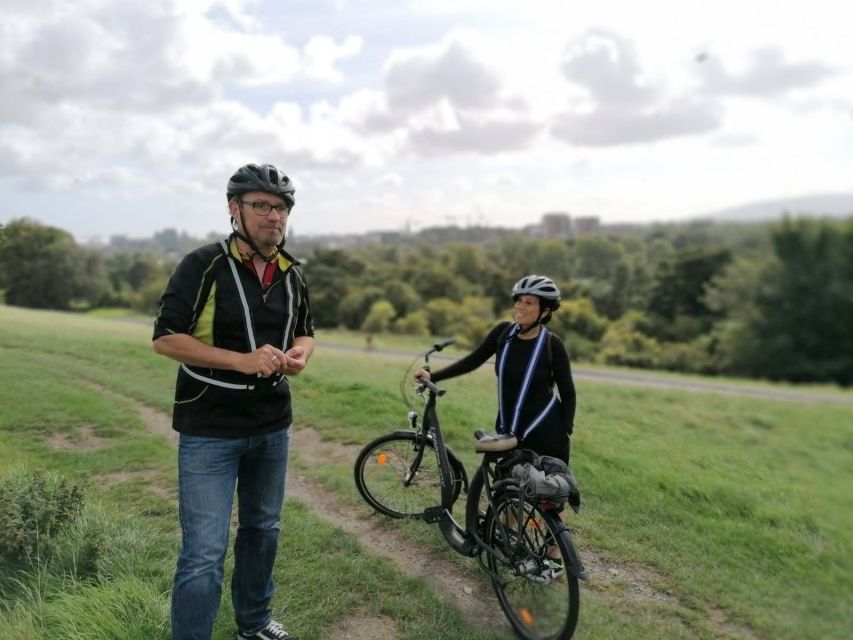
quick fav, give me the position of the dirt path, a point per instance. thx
(447, 579)
(627, 584)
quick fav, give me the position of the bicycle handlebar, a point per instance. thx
(429, 384)
(438, 346)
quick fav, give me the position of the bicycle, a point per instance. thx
(413, 474)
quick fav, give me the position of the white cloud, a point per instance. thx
(625, 105)
(472, 133)
(479, 109)
(616, 126)
(606, 65)
(141, 85)
(322, 53)
(768, 74)
(451, 71)
(505, 180)
(391, 180)
(443, 98)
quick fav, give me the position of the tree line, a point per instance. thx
(766, 300)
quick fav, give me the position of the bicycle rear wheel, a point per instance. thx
(540, 602)
(392, 480)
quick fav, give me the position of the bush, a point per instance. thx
(578, 317)
(35, 508)
(634, 350)
(471, 333)
(413, 324)
(623, 345)
(355, 306)
(443, 315)
(379, 317)
(580, 348)
(691, 357)
(147, 299)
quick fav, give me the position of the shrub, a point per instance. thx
(578, 317)
(379, 317)
(691, 357)
(623, 345)
(580, 348)
(471, 333)
(413, 324)
(35, 507)
(355, 306)
(443, 315)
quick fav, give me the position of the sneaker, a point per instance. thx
(273, 631)
(550, 570)
(558, 570)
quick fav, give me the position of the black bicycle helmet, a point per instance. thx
(264, 177)
(540, 286)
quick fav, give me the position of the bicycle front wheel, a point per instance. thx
(529, 570)
(398, 474)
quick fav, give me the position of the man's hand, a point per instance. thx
(265, 360)
(294, 361)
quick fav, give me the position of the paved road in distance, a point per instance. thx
(650, 379)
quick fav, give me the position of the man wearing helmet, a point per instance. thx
(236, 315)
(530, 361)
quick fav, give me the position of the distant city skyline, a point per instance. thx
(127, 118)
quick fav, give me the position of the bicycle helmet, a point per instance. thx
(540, 286)
(264, 177)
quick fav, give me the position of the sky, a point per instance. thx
(126, 118)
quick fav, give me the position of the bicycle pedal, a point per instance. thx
(433, 514)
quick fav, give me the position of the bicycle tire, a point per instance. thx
(537, 605)
(380, 473)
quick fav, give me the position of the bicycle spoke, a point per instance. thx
(539, 602)
(393, 480)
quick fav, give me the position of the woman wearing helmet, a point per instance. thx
(530, 361)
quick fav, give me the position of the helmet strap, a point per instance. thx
(535, 324)
(245, 237)
(530, 328)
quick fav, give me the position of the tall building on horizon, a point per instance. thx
(556, 224)
(587, 225)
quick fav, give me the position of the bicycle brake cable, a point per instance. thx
(404, 384)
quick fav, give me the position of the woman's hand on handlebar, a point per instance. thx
(421, 375)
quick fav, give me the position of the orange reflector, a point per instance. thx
(526, 616)
(382, 458)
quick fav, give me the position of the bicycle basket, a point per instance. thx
(547, 479)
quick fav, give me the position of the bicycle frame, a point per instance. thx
(457, 536)
(465, 540)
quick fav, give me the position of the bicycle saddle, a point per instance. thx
(488, 443)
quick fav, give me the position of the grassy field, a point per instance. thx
(738, 508)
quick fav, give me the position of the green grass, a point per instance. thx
(118, 313)
(740, 506)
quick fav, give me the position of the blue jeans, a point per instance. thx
(208, 471)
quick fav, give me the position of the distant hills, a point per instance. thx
(834, 205)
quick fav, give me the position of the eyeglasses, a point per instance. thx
(263, 208)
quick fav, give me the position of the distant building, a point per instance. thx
(587, 225)
(556, 224)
